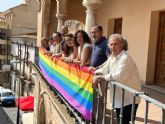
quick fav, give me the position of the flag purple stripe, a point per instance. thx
(70, 99)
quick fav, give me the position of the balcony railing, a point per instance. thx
(74, 86)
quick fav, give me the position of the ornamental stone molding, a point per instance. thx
(92, 4)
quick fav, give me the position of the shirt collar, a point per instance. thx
(119, 55)
(99, 40)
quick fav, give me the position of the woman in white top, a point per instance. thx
(84, 48)
(121, 68)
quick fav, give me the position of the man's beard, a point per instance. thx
(95, 39)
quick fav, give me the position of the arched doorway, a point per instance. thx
(74, 25)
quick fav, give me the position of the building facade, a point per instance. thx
(22, 19)
(5, 56)
(140, 22)
(21, 25)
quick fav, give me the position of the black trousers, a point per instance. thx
(126, 113)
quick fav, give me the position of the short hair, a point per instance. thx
(56, 33)
(99, 27)
(65, 26)
(64, 30)
(69, 35)
(121, 39)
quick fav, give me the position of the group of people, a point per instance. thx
(78, 48)
(108, 57)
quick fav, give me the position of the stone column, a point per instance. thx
(61, 19)
(92, 7)
(61, 13)
(46, 16)
(39, 23)
(45, 28)
(43, 19)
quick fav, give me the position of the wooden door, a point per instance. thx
(160, 59)
(118, 26)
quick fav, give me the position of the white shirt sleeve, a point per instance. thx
(124, 69)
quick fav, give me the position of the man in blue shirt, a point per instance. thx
(100, 52)
(100, 47)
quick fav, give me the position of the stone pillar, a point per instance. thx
(39, 23)
(46, 16)
(61, 19)
(43, 19)
(61, 13)
(45, 28)
(92, 7)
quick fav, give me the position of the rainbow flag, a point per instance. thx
(71, 81)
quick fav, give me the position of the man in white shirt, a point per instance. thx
(121, 68)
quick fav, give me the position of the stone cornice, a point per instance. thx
(61, 16)
(92, 4)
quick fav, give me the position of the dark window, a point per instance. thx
(2, 33)
(2, 49)
(118, 26)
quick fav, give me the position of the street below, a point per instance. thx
(8, 115)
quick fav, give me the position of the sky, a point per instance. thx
(6, 4)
